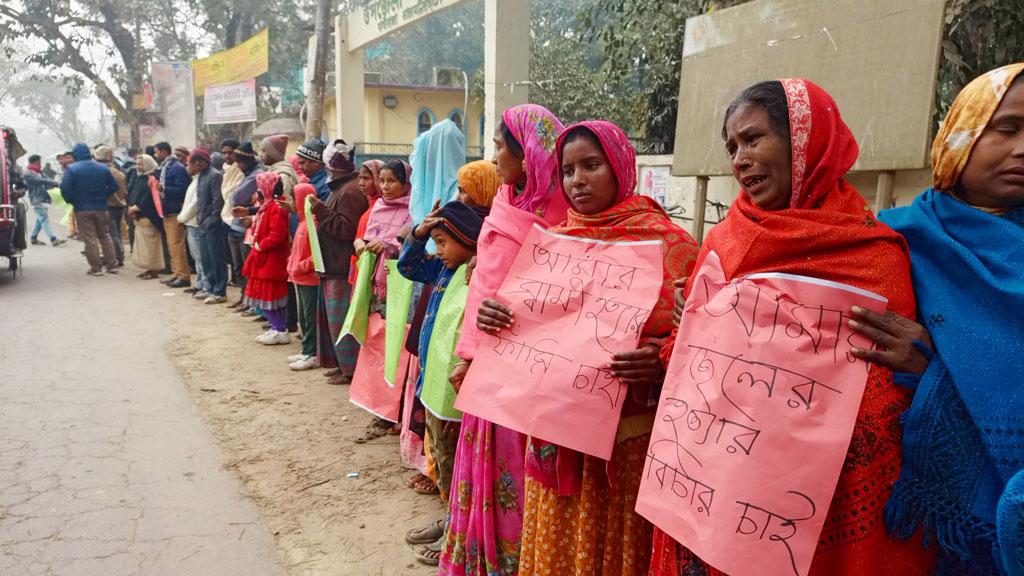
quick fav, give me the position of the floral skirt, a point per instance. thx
(595, 533)
(486, 504)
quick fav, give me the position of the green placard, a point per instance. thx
(398, 301)
(437, 395)
(362, 293)
(314, 236)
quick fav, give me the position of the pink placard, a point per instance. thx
(576, 302)
(369, 390)
(755, 419)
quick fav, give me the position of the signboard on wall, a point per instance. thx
(171, 86)
(230, 103)
(379, 18)
(242, 62)
(877, 58)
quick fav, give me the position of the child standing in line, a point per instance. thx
(302, 274)
(454, 228)
(267, 265)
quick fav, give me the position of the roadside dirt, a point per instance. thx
(289, 437)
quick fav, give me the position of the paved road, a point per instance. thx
(105, 466)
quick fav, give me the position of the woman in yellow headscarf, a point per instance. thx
(478, 184)
(962, 478)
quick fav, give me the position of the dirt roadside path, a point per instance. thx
(289, 437)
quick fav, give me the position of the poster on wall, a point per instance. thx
(172, 83)
(654, 182)
(230, 103)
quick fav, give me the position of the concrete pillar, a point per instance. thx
(348, 85)
(506, 61)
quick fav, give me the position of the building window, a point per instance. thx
(424, 120)
(481, 132)
(456, 116)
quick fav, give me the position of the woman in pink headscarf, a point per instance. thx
(579, 516)
(486, 502)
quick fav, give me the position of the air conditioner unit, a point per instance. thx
(447, 77)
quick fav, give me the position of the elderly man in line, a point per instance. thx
(174, 181)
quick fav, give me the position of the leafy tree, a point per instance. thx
(452, 39)
(643, 45)
(980, 35)
(566, 74)
(52, 105)
(643, 42)
(97, 40)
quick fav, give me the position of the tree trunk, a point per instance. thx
(315, 98)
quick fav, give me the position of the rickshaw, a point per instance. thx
(12, 210)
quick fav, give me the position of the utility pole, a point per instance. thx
(315, 97)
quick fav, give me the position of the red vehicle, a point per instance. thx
(12, 210)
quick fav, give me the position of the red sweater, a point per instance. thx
(268, 259)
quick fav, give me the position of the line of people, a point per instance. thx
(932, 482)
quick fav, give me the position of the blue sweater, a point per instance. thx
(87, 183)
(415, 264)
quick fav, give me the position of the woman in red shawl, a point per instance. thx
(369, 184)
(579, 510)
(795, 214)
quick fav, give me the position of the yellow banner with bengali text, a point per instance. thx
(243, 62)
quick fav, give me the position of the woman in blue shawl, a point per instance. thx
(963, 445)
(437, 155)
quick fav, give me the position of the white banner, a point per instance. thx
(172, 85)
(230, 103)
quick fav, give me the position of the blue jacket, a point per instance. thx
(175, 179)
(87, 183)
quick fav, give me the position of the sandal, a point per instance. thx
(427, 534)
(340, 380)
(332, 372)
(374, 430)
(427, 487)
(431, 553)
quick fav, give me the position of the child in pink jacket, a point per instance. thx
(303, 276)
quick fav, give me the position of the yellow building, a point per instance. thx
(394, 114)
